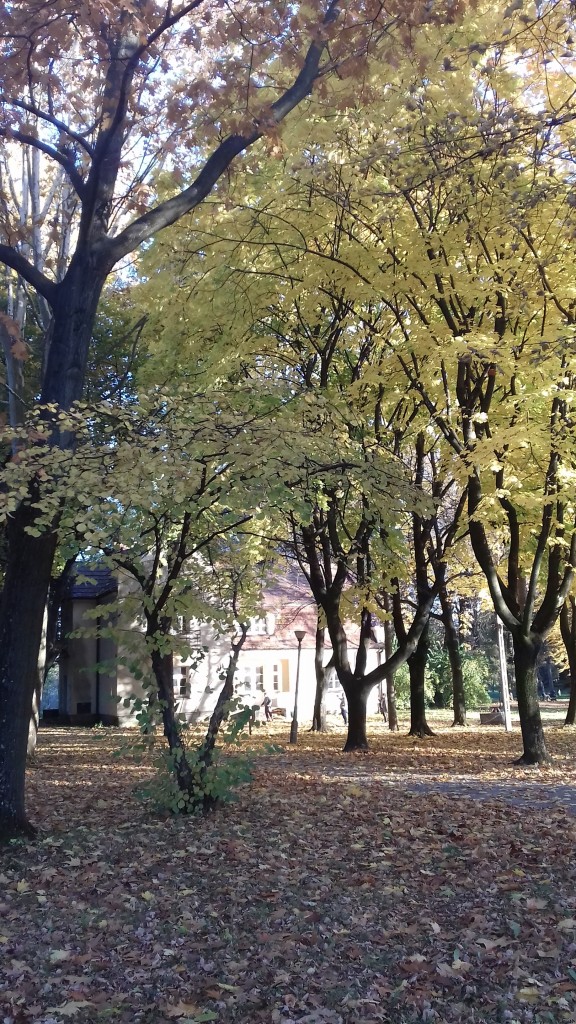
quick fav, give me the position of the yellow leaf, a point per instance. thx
(354, 791)
(58, 955)
(181, 1009)
(528, 995)
(70, 1008)
(490, 944)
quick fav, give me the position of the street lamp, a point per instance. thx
(299, 634)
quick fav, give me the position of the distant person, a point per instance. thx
(267, 705)
(344, 709)
(383, 706)
(544, 680)
(554, 690)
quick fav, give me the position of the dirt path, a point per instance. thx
(539, 792)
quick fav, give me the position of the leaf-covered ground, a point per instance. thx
(334, 890)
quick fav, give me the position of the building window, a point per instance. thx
(270, 623)
(276, 678)
(191, 629)
(332, 682)
(181, 683)
(251, 678)
(257, 627)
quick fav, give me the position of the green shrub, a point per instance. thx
(477, 674)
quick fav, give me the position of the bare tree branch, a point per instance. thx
(172, 209)
(63, 159)
(12, 258)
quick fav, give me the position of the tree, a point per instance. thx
(321, 670)
(568, 632)
(470, 252)
(167, 495)
(92, 89)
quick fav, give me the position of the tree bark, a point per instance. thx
(388, 651)
(22, 607)
(163, 668)
(206, 753)
(417, 668)
(357, 697)
(29, 559)
(319, 713)
(571, 711)
(525, 656)
(455, 658)
(568, 631)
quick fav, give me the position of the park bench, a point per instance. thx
(492, 715)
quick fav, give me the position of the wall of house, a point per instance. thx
(87, 691)
(87, 663)
(278, 668)
(269, 672)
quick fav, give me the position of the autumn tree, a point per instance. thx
(461, 239)
(485, 338)
(107, 94)
(161, 499)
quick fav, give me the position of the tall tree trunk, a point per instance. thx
(357, 697)
(568, 631)
(455, 658)
(525, 656)
(34, 723)
(319, 714)
(388, 652)
(38, 690)
(571, 710)
(29, 559)
(22, 607)
(417, 668)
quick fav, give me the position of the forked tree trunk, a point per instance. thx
(417, 668)
(568, 630)
(163, 668)
(525, 656)
(454, 657)
(206, 753)
(357, 698)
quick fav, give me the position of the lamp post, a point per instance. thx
(299, 634)
(504, 688)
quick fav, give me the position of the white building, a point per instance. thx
(94, 681)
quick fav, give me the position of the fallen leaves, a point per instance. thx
(321, 897)
(70, 1008)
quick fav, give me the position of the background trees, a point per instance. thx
(98, 92)
(420, 241)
